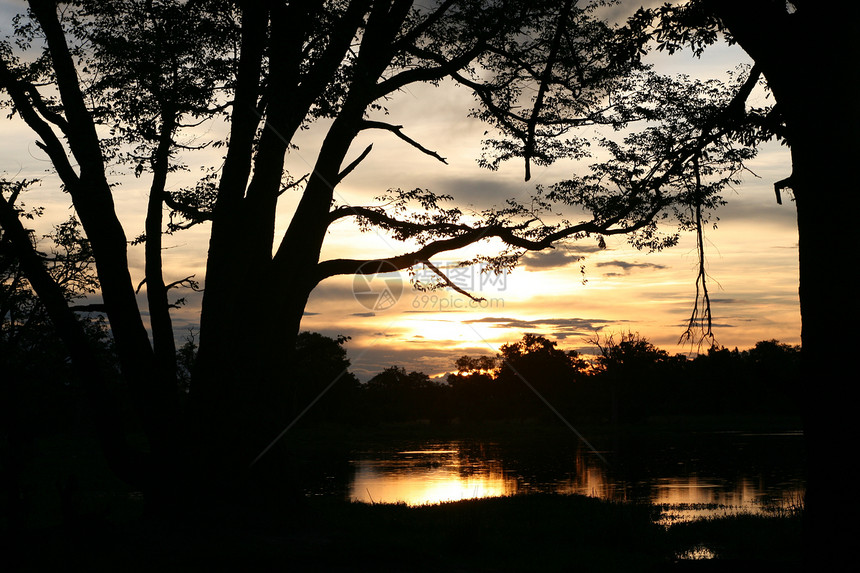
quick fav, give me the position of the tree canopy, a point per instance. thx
(123, 85)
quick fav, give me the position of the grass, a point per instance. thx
(517, 533)
(538, 532)
(770, 539)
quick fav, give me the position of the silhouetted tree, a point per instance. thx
(125, 81)
(534, 366)
(394, 395)
(327, 390)
(475, 394)
(637, 374)
(776, 369)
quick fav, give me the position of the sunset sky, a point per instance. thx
(751, 256)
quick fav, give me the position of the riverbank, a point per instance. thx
(518, 533)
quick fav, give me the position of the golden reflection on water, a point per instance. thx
(419, 477)
(445, 473)
(431, 486)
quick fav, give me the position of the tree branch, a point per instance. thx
(50, 143)
(427, 74)
(470, 235)
(449, 283)
(189, 280)
(416, 32)
(187, 211)
(703, 297)
(779, 186)
(294, 184)
(381, 219)
(81, 132)
(721, 124)
(348, 169)
(40, 105)
(397, 130)
(528, 151)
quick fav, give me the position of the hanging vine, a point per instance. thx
(701, 321)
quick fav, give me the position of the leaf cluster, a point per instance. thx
(686, 144)
(552, 78)
(151, 63)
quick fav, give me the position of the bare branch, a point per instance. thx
(431, 19)
(43, 109)
(427, 74)
(50, 143)
(397, 130)
(348, 169)
(779, 186)
(448, 282)
(294, 184)
(189, 281)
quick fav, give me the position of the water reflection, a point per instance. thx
(689, 486)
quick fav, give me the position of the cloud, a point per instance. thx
(627, 267)
(558, 257)
(561, 328)
(364, 314)
(549, 259)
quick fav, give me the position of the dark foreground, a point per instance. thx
(521, 533)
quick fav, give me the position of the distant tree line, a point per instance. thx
(630, 381)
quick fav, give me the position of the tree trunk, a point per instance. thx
(805, 56)
(826, 227)
(160, 323)
(243, 396)
(93, 201)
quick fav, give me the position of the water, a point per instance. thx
(690, 477)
